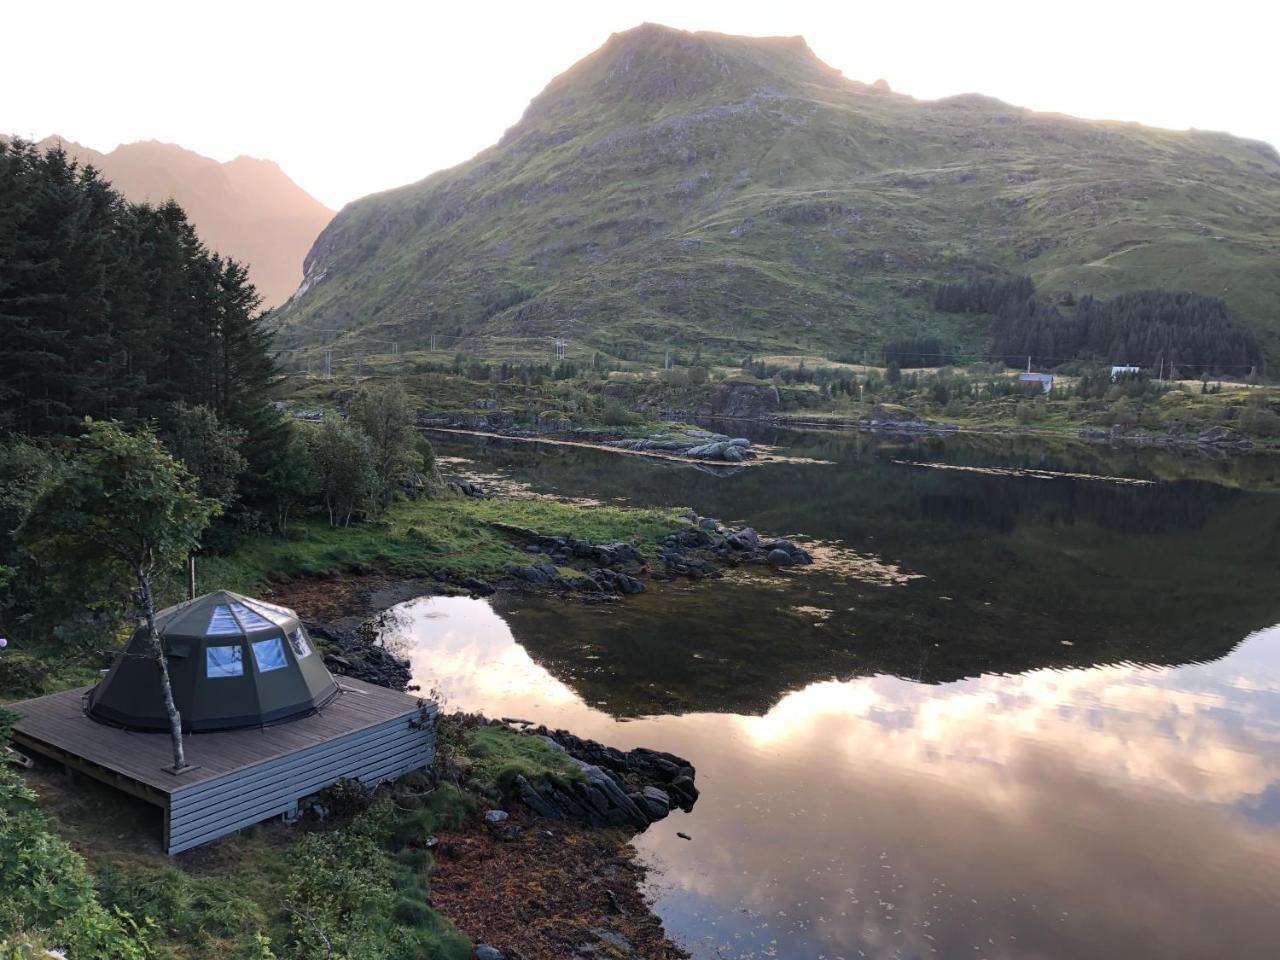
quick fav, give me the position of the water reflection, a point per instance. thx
(1116, 811)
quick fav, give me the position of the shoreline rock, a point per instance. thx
(634, 788)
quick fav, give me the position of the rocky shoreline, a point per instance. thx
(567, 834)
(904, 423)
(616, 569)
(617, 789)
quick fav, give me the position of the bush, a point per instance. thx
(616, 415)
(49, 897)
(1259, 422)
(358, 894)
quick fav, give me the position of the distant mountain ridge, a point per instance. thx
(679, 188)
(246, 208)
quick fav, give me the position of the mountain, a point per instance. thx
(681, 188)
(246, 209)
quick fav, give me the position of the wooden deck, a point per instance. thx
(236, 777)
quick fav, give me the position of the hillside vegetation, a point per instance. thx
(675, 188)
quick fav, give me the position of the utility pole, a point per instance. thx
(328, 364)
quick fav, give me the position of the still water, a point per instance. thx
(1012, 714)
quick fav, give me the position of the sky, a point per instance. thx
(356, 97)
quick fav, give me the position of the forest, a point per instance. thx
(1180, 330)
(126, 335)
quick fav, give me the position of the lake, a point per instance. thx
(1026, 705)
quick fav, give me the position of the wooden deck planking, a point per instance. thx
(239, 777)
(58, 720)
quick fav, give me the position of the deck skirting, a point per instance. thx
(238, 778)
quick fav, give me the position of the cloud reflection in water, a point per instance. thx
(1118, 811)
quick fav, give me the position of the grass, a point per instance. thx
(497, 755)
(418, 538)
(814, 222)
(270, 892)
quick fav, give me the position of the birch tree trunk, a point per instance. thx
(157, 651)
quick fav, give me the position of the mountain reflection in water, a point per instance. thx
(1117, 811)
(1056, 734)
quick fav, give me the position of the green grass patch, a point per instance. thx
(420, 537)
(497, 755)
(356, 892)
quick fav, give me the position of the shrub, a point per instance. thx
(616, 415)
(1259, 422)
(49, 897)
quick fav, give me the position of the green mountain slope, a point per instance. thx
(676, 188)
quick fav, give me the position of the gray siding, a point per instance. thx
(217, 807)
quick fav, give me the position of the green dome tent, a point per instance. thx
(233, 662)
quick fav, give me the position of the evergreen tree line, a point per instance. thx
(910, 352)
(1186, 330)
(116, 310)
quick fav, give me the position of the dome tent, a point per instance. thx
(233, 662)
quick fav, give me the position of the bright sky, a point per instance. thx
(355, 97)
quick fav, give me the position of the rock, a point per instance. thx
(656, 801)
(1222, 437)
(744, 401)
(684, 792)
(541, 571)
(356, 653)
(706, 523)
(495, 816)
(476, 585)
(483, 951)
(469, 489)
(778, 557)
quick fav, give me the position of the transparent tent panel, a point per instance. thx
(269, 655)
(277, 615)
(224, 661)
(222, 623)
(251, 619)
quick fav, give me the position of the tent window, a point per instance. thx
(298, 641)
(224, 661)
(250, 620)
(269, 654)
(222, 623)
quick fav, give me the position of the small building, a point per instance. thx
(1044, 379)
(265, 723)
(1122, 370)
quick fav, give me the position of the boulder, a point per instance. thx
(483, 951)
(541, 571)
(777, 557)
(657, 802)
(745, 401)
(495, 816)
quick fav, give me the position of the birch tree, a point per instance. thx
(129, 510)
